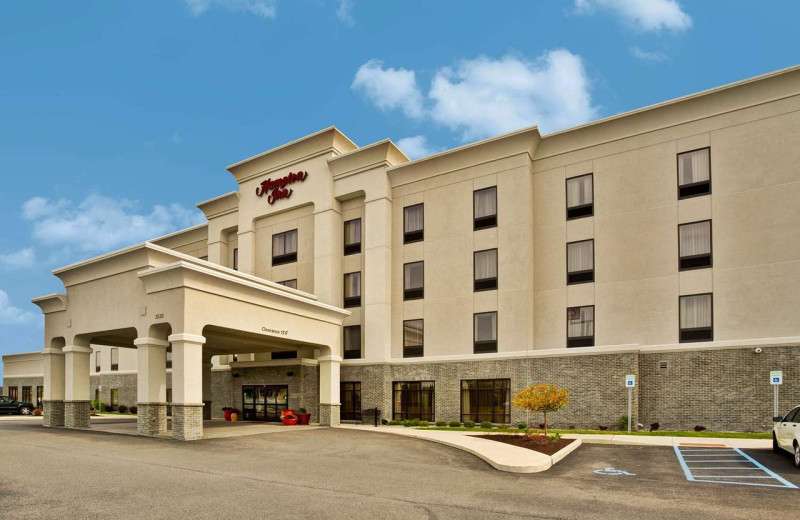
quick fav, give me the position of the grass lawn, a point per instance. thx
(660, 433)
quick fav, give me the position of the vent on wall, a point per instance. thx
(663, 365)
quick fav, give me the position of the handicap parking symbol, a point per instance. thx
(613, 471)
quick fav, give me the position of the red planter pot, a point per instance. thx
(289, 418)
(227, 414)
(303, 418)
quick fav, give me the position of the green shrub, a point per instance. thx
(555, 437)
(123, 409)
(414, 422)
(97, 404)
(486, 424)
(622, 423)
(455, 424)
(441, 423)
(469, 424)
(522, 426)
(407, 423)
(424, 423)
(133, 409)
(395, 423)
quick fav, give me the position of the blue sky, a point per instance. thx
(116, 117)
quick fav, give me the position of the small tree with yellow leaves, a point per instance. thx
(542, 398)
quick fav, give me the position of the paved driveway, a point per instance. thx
(329, 473)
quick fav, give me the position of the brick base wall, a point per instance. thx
(329, 414)
(53, 414)
(151, 419)
(187, 422)
(76, 414)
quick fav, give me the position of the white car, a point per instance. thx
(786, 434)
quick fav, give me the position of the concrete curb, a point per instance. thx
(639, 440)
(501, 456)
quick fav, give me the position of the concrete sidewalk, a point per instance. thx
(647, 440)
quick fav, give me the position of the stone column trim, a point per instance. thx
(187, 338)
(151, 342)
(77, 349)
(52, 352)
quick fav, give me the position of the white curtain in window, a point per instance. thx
(695, 239)
(580, 322)
(284, 243)
(352, 232)
(580, 256)
(352, 338)
(414, 216)
(352, 285)
(694, 167)
(486, 202)
(412, 333)
(486, 326)
(579, 191)
(695, 311)
(486, 264)
(114, 356)
(414, 276)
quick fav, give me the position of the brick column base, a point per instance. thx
(187, 421)
(76, 414)
(329, 414)
(207, 410)
(53, 412)
(151, 419)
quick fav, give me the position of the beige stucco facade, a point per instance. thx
(212, 291)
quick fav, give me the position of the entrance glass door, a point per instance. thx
(264, 402)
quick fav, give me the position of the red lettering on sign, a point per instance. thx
(277, 190)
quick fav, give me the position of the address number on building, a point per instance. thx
(275, 331)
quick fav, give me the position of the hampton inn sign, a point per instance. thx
(276, 190)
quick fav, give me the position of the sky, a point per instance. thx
(117, 118)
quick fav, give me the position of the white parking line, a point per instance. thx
(694, 460)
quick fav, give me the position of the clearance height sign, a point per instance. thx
(278, 189)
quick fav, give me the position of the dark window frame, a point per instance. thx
(489, 221)
(696, 334)
(579, 277)
(286, 258)
(29, 391)
(400, 415)
(351, 301)
(582, 341)
(485, 284)
(355, 248)
(13, 393)
(114, 366)
(474, 392)
(283, 283)
(410, 351)
(351, 353)
(283, 354)
(578, 212)
(690, 263)
(691, 190)
(169, 359)
(97, 361)
(414, 236)
(484, 347)
(416, 293)
(235, 258)
(354, 389)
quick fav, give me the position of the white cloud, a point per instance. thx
(390, 88)
(101, 223)
(344, 12)
(645, 15)
(647, 55)
(416, 147)
(176, 138)
(10, 315)
(262, 8)
(22, 259)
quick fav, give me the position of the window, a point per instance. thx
(235, 258)
(114, 358)
(169, 359)
(235, 358)
(114, 399)
(352, 290)
(485, 334)
(485, 270)
(694, 244)
(413, 338)
(352, 236)
(352, 342)
(580, 197)
(26, 394)
(580, 326)
(694, 173)
(413, 400)
(580, 262)
(485, 208)
(291, 284)
(285, 354)
(97, 361)
(350, 395)
(413, 223)
(486, 400)
(39, 396)
(284, 247)
(696, 318)
(413, 281)
(13, 393)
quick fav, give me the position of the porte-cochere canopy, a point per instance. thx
(150, 298)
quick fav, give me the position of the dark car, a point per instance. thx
(8, 405)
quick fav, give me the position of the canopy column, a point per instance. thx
(187, 386)
(207, 387)
(329, 403)
(77, 404)
(53, 402)
(151, 386)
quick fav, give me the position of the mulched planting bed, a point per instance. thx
(538, 443)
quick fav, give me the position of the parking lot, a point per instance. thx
(330, 473)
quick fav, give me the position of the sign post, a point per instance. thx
(630, 383)
(776, 379)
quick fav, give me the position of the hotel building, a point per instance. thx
(662, 243)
